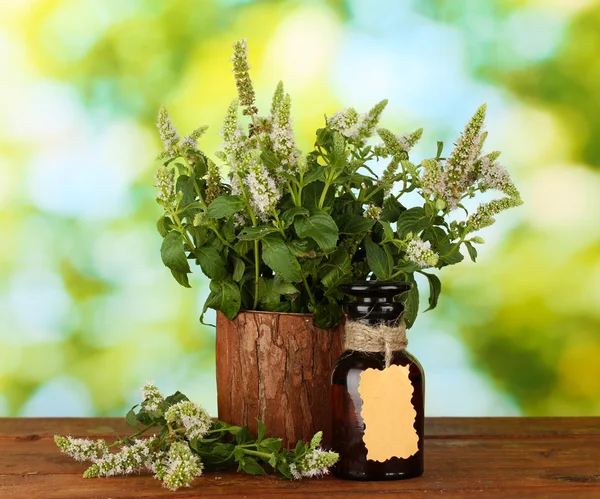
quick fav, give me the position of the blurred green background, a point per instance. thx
(87, 311)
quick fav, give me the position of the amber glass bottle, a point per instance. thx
(374, 305)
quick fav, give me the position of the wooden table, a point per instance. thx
(464, 458)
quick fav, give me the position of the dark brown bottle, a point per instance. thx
(374, 305)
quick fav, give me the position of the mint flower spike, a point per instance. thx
(191, 140)
(234, 141)
(262, 187)
(433, 179)
(129, 459)
(369, 121)
(168, 133)
(152, 398)
(344, 122)
(165, 183)
(484, 216)
(277, 98)
(282, 135)
(180, 467)
(214, 187)
(194, 419)
(242, 77)
(399, 145)
(420, 253)
(81, 449)
(314, 464)
(460, 164)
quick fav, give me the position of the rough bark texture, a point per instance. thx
(277, 368)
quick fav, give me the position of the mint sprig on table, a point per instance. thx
(186, 442)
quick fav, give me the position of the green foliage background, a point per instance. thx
(87, 311)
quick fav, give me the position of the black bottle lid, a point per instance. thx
(374, 302)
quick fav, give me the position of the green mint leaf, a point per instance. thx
(185, 185)
(175, 398)
(314, 174)
(252, 467)
(354, 224)
(278, 257)
(411, 303)
(392, 209)
(288, 216)
(450, 255)
(262, 429)
(225, 296)
(472, 250)
(173, 254)
(181, 278)
(211, 262)
(271, 445)
(328, 315)
(440, 148)
(238, 269)
(243, 436)
(388, 232)
(321, 228)
(225, 206)
(339, 270)
(163, 225)
(256, 233)
(435, 288)
(131, 418)
(378, 260)
(284, 469)
(409, 220)
(300, 448)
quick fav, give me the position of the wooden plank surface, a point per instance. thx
(464, 458)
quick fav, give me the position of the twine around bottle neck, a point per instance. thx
(379, 338)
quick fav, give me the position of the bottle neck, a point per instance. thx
(375, 310)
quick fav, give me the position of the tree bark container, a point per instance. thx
(276, 367)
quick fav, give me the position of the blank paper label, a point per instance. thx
(388, 413)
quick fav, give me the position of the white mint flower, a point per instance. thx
(345, 122)
(152, 397)
(181, 466)
(191, 416)
(261, 187)
(373, 212)
(493, 175)
(420, 253)
(129, 459)
(314, 464)
(82, 449)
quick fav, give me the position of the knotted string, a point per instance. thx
(380, 338)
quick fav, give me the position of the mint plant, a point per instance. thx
(186, 442)
(277, 230)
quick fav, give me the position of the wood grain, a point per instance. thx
(277, 368)
(490, 458)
